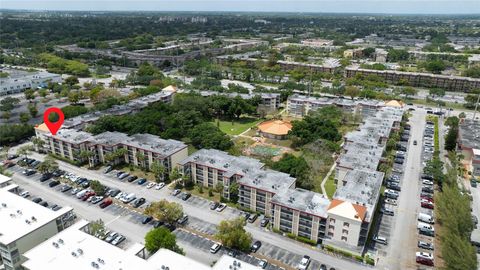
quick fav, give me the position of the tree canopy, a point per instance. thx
(232, 234)
(159, 238)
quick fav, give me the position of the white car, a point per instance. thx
(427, 182)
(25, 194)
(391, 201)
(380, 239)
(215, 248)
(304, 263)
(221, 207)
(425, 255)
(150, 185)
(159, 185)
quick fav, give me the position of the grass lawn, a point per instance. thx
(452, 105)
(330, 186)
(238, 126)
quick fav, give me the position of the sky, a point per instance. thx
(321, 6)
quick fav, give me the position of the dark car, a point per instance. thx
(132, 178)
(146, 219)
(79, 181)
(119, 173)
(245, 215)
(45, 177)
(113, 192)
(12, 156)
(157, 223)
(182, 220)
(65, 188)
(427, 189)
(139, 202)
(37, 200)
(35, 164)
(169, 226)
(252, 218)
(426, 176)
(9, 164)
(54, 183)
(213, 205)
(398, 161)
(108, 169)
(141, 181)
(255, 246)
(85, 184)
(264, 222)
(394, 186)
(44, 204)
(185, 196)
(29, 172)
(58, 173)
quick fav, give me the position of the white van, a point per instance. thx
(81, 193)
(425, 218)
(425, 226)
(130, 197)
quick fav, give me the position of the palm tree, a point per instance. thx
(141, 158)
(24, 150)
(159, 171)
(48, 165)
(38, 142)
(86, 155)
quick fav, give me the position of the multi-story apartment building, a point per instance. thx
(12, 85)
(269, 100)
(76, 248)
(140, 149)
(353, 53)
(25, 224)
(449, 83)
(469, 144)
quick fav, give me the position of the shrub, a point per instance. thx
(369, 260)
(306, 240)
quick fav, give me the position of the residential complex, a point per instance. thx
(21, 82)
(25, 224)
(449, 83)
(75, 247)
(469, 144)
(268, 100)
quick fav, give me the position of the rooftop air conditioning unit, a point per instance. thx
(55, 244)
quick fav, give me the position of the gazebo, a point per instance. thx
(275, 129)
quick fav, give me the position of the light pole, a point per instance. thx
(476, 106)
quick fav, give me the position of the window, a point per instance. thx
(346, 224)
(332, 220)
(330, 234)
(344, 238)
(331, 227)
(345, 232)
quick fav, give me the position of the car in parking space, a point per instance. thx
(44, 204)
(182, 220)
(398, 160)
(426, 231)
(255, 246)
(29, 172)
(426, 204)
(392, 194)
(380, 239)
(262, 264)
(393, 186)
(138, 202)
(120, 238)
(96, 199)
(252, 218)
(128, 198)
(45, 177)
(106, 202)
(8, 164)
(56, 207)
(157, 223)
(427, 189)
(54, 183)
(119, 173)
(24, 194)
(390, 201)
(415, 142)
(425, 245)
(213, 205)
(387, 211)
(35, 164)
(424, 258)
(111, 236)
(215, 248)
(426, 196)
(427, 182)
(141, 181)
(75, 191)
(132, 178)
(65, 188)
(185, 196)
(107, 169)
(221, 207)
(12, 156)
(323, 267)
(169, 226)
(123, 175)
(113, 192)
(159, 185)
(150, 185)
(426, 176)
(146, 219)
(175, 192)
(87, 195)
(304, 262)
(85, 183)
(264, 222)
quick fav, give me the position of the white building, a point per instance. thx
(25, 224)
(12, 85)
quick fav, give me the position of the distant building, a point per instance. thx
(469, 144)
(381, 55)
(18, 84)
(268, 100)
(353, 53)
(25, 224)
(317, 42)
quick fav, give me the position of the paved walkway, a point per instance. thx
(322, 185)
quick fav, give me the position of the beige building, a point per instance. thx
(353, 53)
(469, 145)
(25, 224)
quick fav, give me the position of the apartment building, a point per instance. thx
(25, 224)
(353, 53)
(268, 100)
(18, 84)
(469, 144)
(76, 248)
(416, 79)
(140, 149)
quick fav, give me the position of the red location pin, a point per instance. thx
(53, 127)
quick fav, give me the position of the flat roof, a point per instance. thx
(155, 144)
(303, 200)
(89, 249)
(72, 136)
(469, 133)
(20, 216)
(267, 180)
(226, 263)
(4, 179)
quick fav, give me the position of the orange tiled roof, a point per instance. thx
(276, 127)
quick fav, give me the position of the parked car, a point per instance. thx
(426, 232)
(113, 192)
(29, 172)
(183, 219)
(264, 222)
(427, 182)
(215, 248)
(426, 204)
(424, 258)
(387, 211)
(157, 223)
(37, 200)
(96, 199)
(255, 246)
(75, 191)
(185, 196)
(150, 185)
(380, 239)
(146, 219)
(425, 245)
(44, 204)
(107, 169)
(415, 142)
(176, 192)
(214, 205)
(221, 207)
(106, 203)
(119, 173)
(87, 195)
(65, 188)
(132, 178)
(262, 264)
(427, 189)
(141, 181)
(252, 218)
(54, 183)
(169, 226)
(304, 262)
(138, 202)
(159, 185)
(392, 194)
(24, 194)
(391, 201)
(128, 198)
(123, 175)
(120, 238)
(111, 236)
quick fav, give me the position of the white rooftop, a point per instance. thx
(227, 263)
(20, 216)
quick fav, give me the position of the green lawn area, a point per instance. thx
(452, 105)
(330, 186)
(238, 126)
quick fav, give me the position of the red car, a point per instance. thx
(106, 203)
(427, 198)
(426, 204)
(88, 195)
(424, 261)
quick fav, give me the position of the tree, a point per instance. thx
(462, 115)
(43, 92)
(159, 238)
(439, 92)
(7, 104)
(73, 97)
(351, 91)
(297, 167)
(38, 142)
(175, 175)
(14, 133)
(165, 211)
(48, 165)
(24, 150)
(32, 108)
(98, 187)
(435, 66)
(159, 171)
(29, 94)
(206, 135)
(409, 91)
(24, 117)
(97, 228)
(71, 80)
(232, 234)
